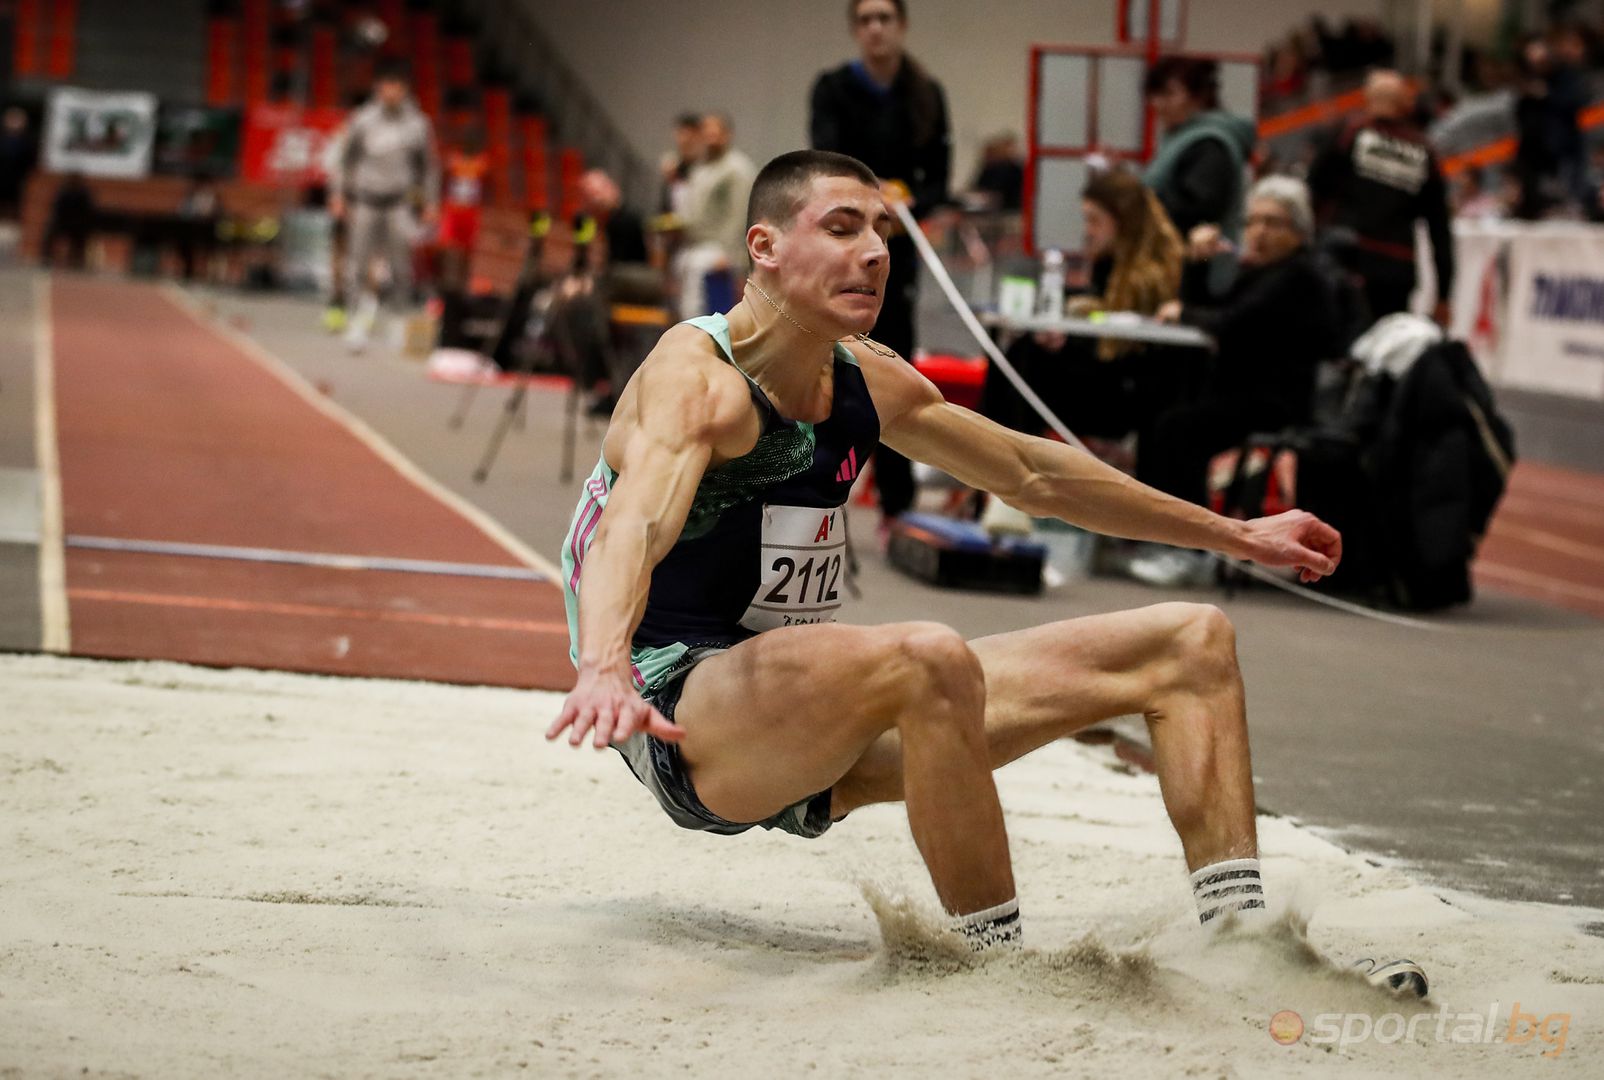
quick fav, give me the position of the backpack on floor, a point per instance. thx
(1409, 467)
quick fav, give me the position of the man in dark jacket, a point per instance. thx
(1199, 169)
(1377, 179)
(887, 112)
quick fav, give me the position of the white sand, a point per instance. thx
(212, 873)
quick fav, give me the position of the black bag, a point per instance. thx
(1441, 460)
(1409, 470)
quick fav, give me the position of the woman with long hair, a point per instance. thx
(1105, 388)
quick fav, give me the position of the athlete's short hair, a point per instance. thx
(782, 186)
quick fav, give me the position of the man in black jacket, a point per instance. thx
(887, 112)
(1377, 179)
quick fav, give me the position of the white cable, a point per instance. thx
(955, 298)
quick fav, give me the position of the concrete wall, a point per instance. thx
(646, 60)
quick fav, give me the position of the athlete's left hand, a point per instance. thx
(1296, 538)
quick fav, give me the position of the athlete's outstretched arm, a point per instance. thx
(1046, 478)
(680, 420)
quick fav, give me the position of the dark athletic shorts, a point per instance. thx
(659, 767)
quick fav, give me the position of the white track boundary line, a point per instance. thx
(324, 559)
(54, 615)
(364, 434)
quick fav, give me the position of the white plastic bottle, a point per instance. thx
(1050, 288)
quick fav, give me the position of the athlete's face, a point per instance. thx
(878, 29)
(831, 262)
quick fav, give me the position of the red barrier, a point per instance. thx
(393, 14)
(222, 46)
(959, 378)
(283, 144)
(28, 35)
(536, 166)
(426, 61)
(459, 62)
(324, 88)
(63, 39)
(256, 33)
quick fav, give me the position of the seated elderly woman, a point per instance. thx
(1104, 388)
(1272, 328)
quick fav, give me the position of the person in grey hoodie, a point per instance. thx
(1199, 170)
(384, 162)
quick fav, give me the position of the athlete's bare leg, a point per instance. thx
(788, 713)
(1175, 664)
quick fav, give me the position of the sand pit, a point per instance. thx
(207, 873)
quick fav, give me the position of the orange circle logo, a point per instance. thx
(1286, 1027)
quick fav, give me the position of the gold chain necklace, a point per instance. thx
(864, 339)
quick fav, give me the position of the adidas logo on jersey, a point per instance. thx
(848, 471)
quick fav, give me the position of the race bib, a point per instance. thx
(803, 561)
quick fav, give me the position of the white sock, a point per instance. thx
(996, 927)
(1226, 887)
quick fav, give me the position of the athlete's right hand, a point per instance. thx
(606, 706)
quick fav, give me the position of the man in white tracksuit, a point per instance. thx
(715, 216)
(383, 162)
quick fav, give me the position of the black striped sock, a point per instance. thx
(996, 927)
(1226, 887)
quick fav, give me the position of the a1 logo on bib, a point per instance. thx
(803, 557)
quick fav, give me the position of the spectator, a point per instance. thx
(467, 175)
(19, 152)
(1271, 330)
(715, 219)
(1199, 169)
(1546, 129)
(1377, 178)
(1567, 95)
(615, 235)
(385, 161)
(72, 218)
(196, 234)
(1104, 389)
(1000, 184)
(887, 111)
(610, 248)
(677, 164)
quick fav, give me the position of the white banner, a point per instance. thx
(1554, 339)
(1480, 312)
(100, 134)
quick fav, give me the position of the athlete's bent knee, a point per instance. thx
(941, 665)
(1205, 642)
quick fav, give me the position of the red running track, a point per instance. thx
(1546, 541)
(171, 432)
